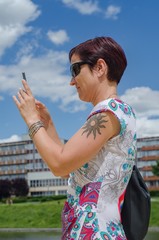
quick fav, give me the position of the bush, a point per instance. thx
(19, 199)
(35, 199)
(154, 193)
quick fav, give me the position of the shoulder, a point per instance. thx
(119, 111)
(116, 106)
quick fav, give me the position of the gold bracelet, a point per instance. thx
(34, 128)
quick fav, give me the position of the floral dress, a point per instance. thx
(96, 190)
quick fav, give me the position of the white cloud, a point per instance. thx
(1, 98)
(147, 127)
(145, 102)
(58, 37)
(47, 77)
(14, 15)
(13, 138)
(27, 48)
(112, 12)
(84, 7)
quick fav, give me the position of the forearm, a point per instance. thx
(41, 130)
(51, 131)
(50, 151)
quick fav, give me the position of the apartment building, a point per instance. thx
(21, 160)
(147, 155)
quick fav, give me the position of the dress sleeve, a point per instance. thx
(121, 110)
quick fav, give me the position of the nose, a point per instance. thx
(72, 82)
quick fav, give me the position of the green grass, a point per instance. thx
(31, 215)
(46, 214)
(154, 219)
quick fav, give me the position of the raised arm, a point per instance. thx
(63, 159)
(48, 123)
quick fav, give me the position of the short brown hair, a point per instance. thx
(105, 48)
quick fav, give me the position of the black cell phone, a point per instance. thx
(24, 76)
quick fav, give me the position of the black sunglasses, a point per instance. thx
(75, 68)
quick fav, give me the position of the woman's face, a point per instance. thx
(85, 81)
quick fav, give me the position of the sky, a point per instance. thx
(35, 38)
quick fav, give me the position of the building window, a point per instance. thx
(62, 192)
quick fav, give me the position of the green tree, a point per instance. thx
(5, 188)
(155, 169)
(20, 187)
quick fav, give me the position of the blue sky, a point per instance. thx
(36, 36)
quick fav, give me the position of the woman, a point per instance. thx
(100, 156)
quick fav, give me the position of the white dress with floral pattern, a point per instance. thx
(96, 190)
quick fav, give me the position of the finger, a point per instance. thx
(26, 87)
(22, 93)
(16, 101)
(39, 104)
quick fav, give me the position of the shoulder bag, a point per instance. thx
(136, 208)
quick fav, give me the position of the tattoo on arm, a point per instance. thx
(94, 125)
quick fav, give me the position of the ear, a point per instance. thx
(101, 67)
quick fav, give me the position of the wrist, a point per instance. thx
(34, 128)
(32, 121)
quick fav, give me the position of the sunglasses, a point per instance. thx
(75, 68)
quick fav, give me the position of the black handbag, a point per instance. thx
(136, 208)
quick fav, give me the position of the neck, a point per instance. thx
(105, 91)
(112, 95)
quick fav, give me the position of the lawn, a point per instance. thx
(154, 219)
(31, 215)
(46, 214)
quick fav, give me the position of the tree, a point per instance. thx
(20, 187)
(5, 188)
(155, 169)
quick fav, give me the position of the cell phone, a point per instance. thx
(24, 76)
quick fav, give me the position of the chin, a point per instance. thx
(84, 99)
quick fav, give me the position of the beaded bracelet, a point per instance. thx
(34, 128)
